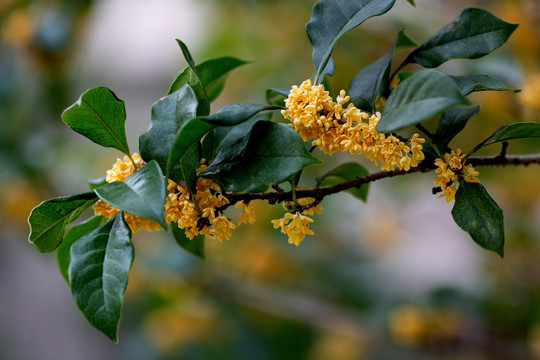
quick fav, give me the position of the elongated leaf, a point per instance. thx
(142, 193)
(521, 130)
(49, 220)
(270, 154)
(330, 19)
(190, 76)
(226, 135)
(101, 117)
(473, 34)
(452, 122)
(480, 82)
(421, 96)
(73, 234)
(411, 2)
(98, 274)
(276, 96)
(194, 129)
(168, 116)
(476, 213)
(97, 182)
(403, 42)
(195, 246)
(346, 172)
(370, 82)
(213, 75)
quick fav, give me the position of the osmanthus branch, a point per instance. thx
(318, 194)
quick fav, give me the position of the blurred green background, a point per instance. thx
(394, 278)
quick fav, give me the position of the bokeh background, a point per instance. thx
(393, 278)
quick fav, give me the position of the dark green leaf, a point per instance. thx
(346, 172)
(190, 76)
(142, 193)
(271, 153)
(370, 82)
(521, 130)
(226, 135)
(193, 130)
(423, 95)
(480, 82)
(101, 117)
(73, 234)
(97, 182)
(476, 213)
(411, 2)
(49, 220)
(330, 19)
(194, 246)
(214, 73)
(452, 122)
(277, 96)
(473, 34)
(98, 274)
(168, 116)
(403, 42)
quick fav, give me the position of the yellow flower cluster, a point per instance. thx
(314, 115)
(198, 216)
(296, 225)
(248, 215)
(449, 170)
(119, 172)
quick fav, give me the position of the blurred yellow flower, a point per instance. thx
(297, 227)
(449, 170)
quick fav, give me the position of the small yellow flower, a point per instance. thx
(297, 227)
(450, 170)
(248, 216)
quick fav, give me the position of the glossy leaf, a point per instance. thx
(271, 153)
(142, 193)
(101, 117)
(168, 116)
(480, 82)
(403, 42)
(473, 34)
(97, 182)
(73, 234)
(194, 129)
(521, 130)
(476, 213)
(195, 246)
(346, 172)
(190, 76)
(214, 73)
(370, 82)
(98, 274)
(421, 96)
(330, 19)
(49, 220)
(226, 135)
(452, 122)
(276, 96)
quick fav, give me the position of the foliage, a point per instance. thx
(197, 164)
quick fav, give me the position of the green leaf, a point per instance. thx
(214, 73)
(480, 82)
(473, 34)
(403, 42)
(193, 246)
(346, 172)
(49, 220)
(190, 76)
(276, 96)
(73, 234)
(101, 117)
(411, 2)
(521, 130)
(452, 122)
(168, 116)
(97, 182)
(476, 213)
(271, 153)
(421, 96)
(226, 135)
(194, 129)
(142, 193)
(330, 19)
(370, 82)
(98, 274)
